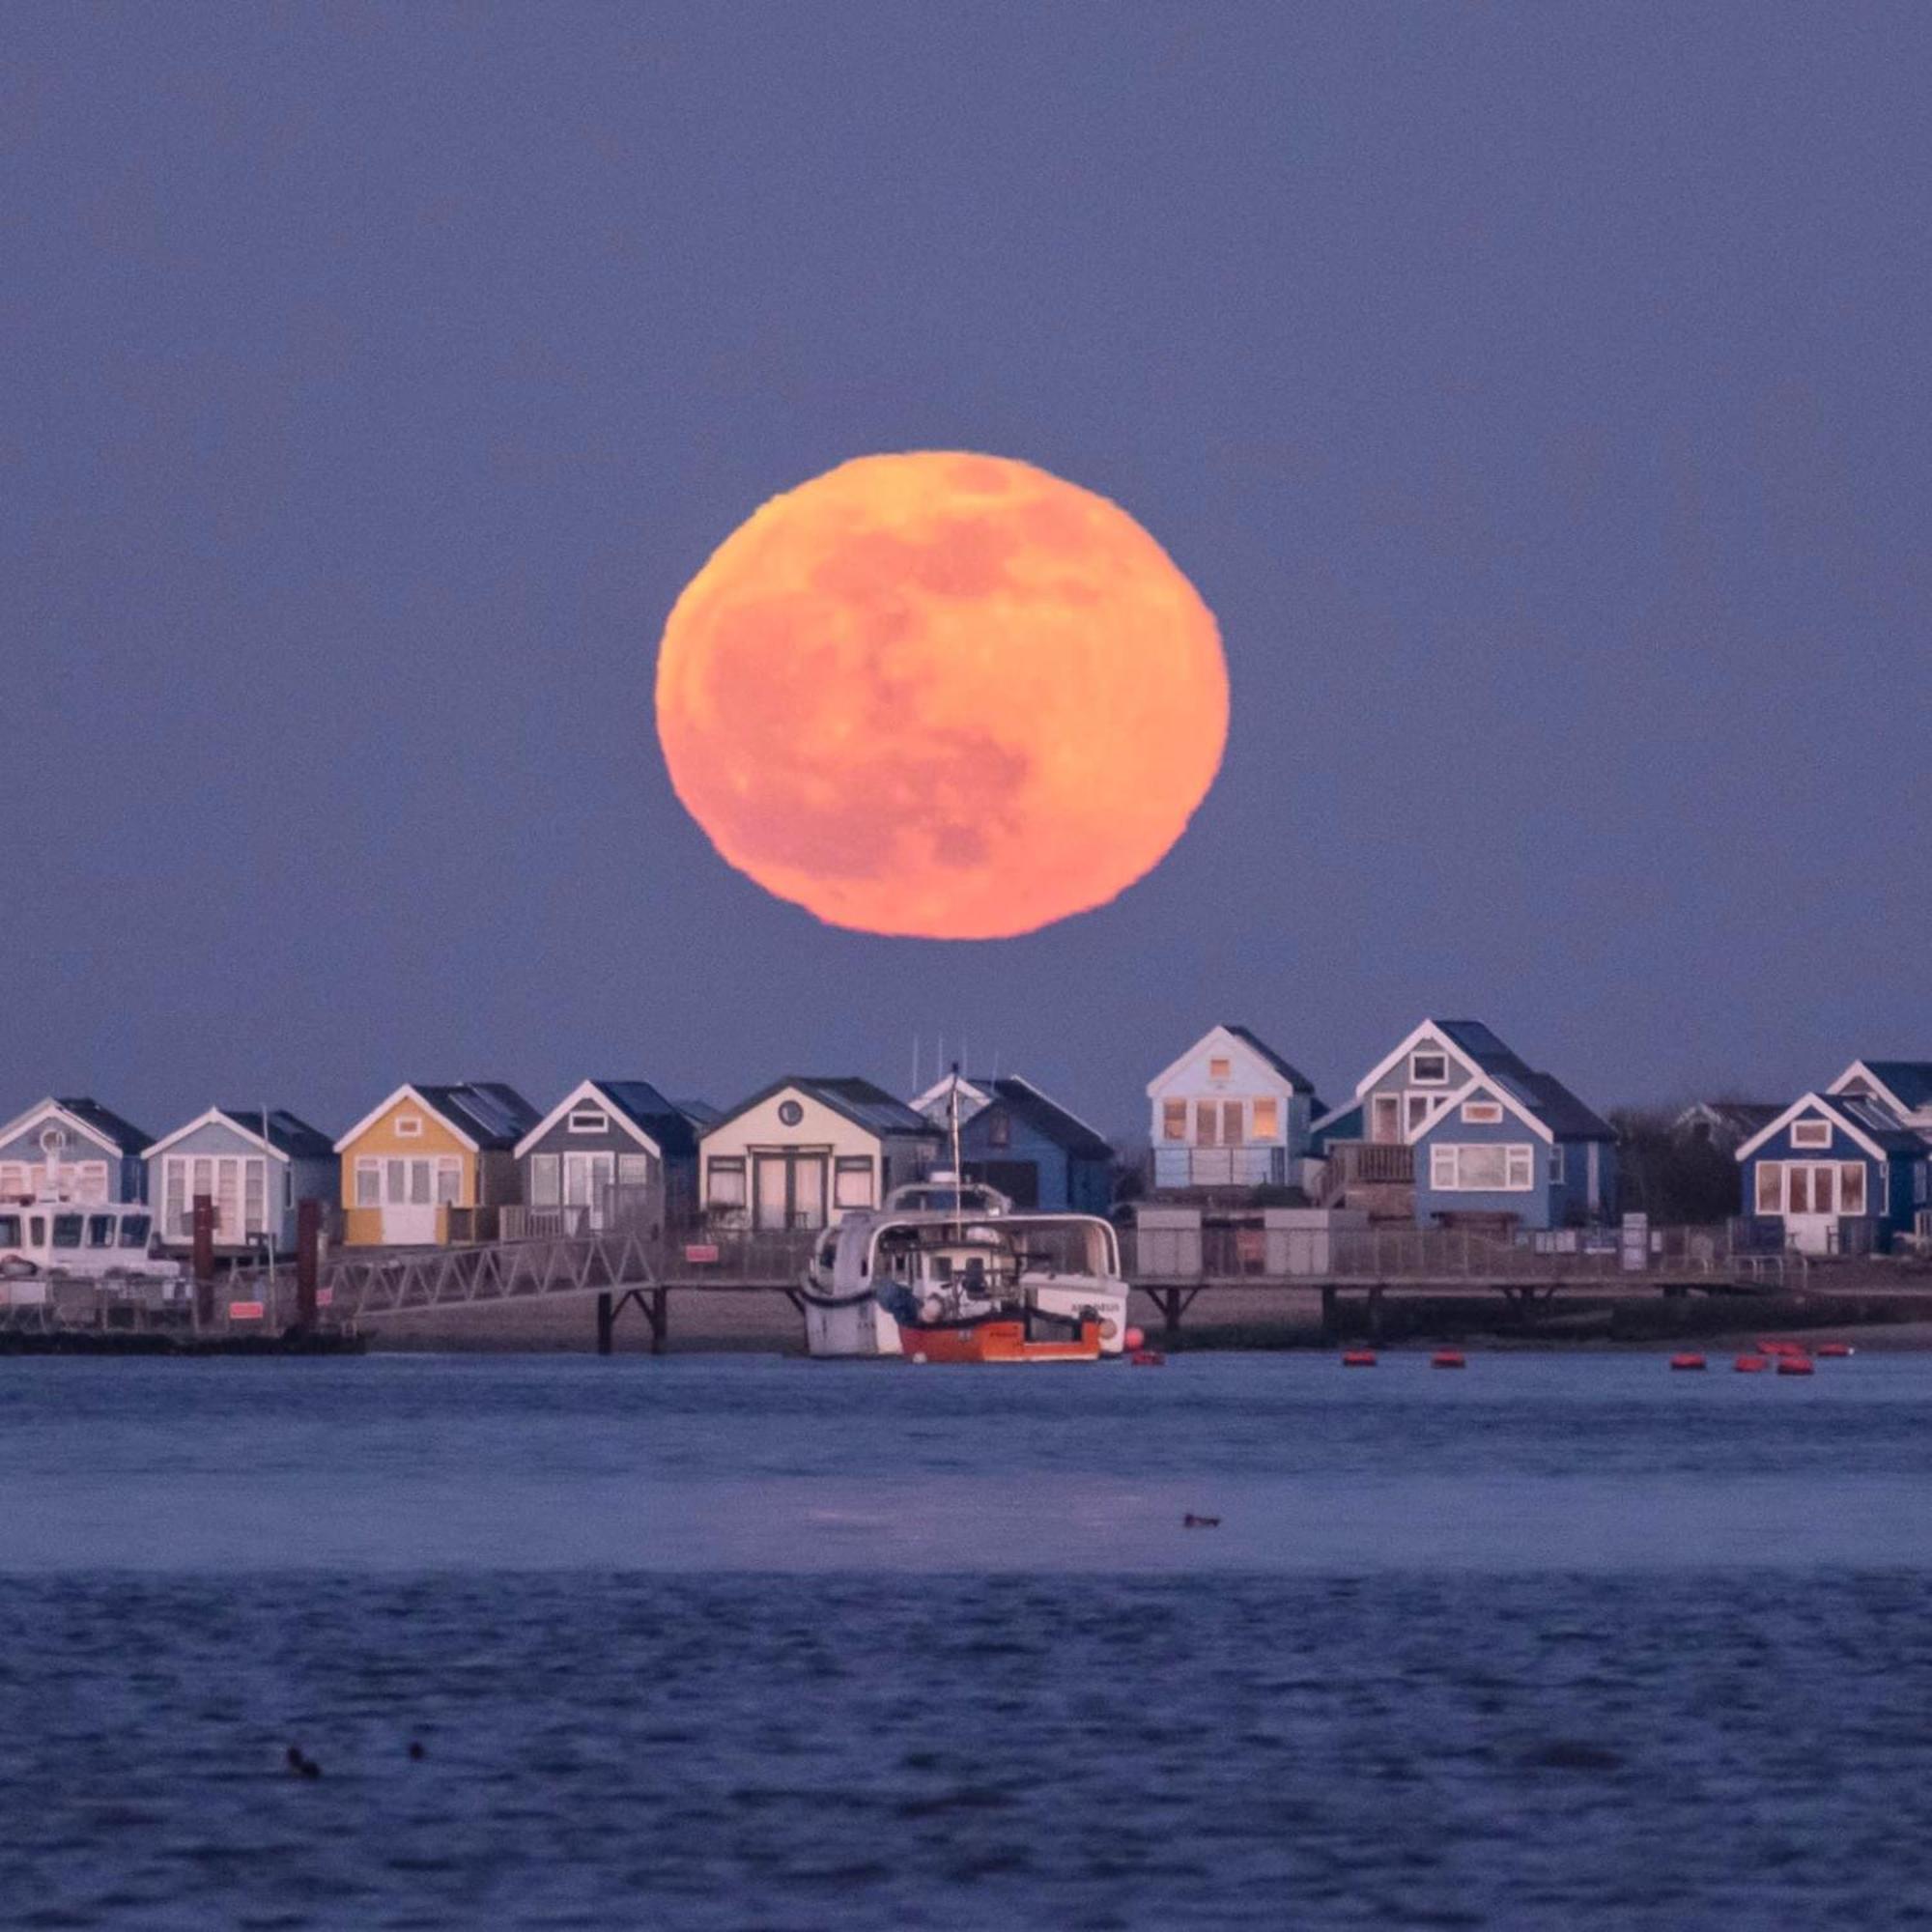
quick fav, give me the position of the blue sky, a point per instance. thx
(1537, 394)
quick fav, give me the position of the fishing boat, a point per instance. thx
(947, 1271)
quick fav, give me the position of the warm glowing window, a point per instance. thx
(1811, 1133)
(1267, 1120)
(14, 1182)
(852, 1182)
(1173, 1119)
(408, 1126)
(1770, 1187)
(1429, 1069)
(1852, 1187)
(1220, 1069)
(1483, 1113)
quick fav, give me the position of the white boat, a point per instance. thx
(947, 1271)
(44, 1243)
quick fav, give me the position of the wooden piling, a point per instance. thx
(308, 1261)
(202, 1224)
(607, 1321)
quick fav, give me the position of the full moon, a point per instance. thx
(941, 694)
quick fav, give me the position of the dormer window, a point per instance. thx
(589, 1120)
(1220, 1068)
(1000, 1130)
(1811, 1133)
(1429, 1069)
(408, 1126)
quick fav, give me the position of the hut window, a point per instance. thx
(1000, 1131)
(1173, 1119)
(13, 1178)
(1207, 1123)
(1559, 1166)
(1419, 1105)
(1475, 1167)
(368, 1183)
(589, 1120)
(1267, 1120)
(1231, 1124)
(1770, 1187)
(727, 1182)
(544, 1181)
(852, 1184)
(1483, 1113)
(1811, 1133)
(1220, 1069)
(9, 1231)
(448, 1181)
(408, 1126)
(1429, 1069)
(634, 1170)
(67, 1230)
(1852, 1187)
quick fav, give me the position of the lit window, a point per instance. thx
(1429, 1069)
(589, 1120)
(852, 1183)
(1852, 1187)
(1770, 1187)
(1267, 1120)
(1173, 1119)
(1220, 1069)
(1483, 1113)
(1811, 1133)
(408, 1126)
(727, 1188)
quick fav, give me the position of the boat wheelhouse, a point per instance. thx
(44, 1243)
(946, 1270)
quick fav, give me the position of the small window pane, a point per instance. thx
(368, 1185)
(727, 1182)
(1852, 1187)
(1220, 1069)
(67, 1230)
(1173, 1119)
(1267, 1120)
(853, 1183)
(1231, 1124)
(420, 1194)
(1207, 1123)
(448, 1181)
(9, 1231)
(1770, 1187)
(544, 1184)
(100, 1231)
(135, 1231)
(1798, 1190)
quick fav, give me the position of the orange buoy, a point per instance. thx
(1776, 1348)
(1752, 1365)
(1359, 1359)
(1687, 1361)
(1134, 1341)
(1795, 1365)
(1832, 1352)
(1448, 1358)
(1147, 1358)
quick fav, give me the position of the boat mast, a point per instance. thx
(959, 1172)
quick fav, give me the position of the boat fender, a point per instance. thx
(1359, 1359)
(1688, 1360)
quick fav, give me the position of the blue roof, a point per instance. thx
(108, 1123)
(1878, 1122)
(288, 1133)
(1909, 1081)
(1540, 1094)
(489, 1113)
(643, 1106)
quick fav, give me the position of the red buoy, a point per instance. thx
(1134, 1341)
(1448, 1358)
(1147, 1358)
(1777, 1348)
(1359, 1359)
(1687, 1361)
(1832, 1352)
(1795, 1365)
(1752, 1365)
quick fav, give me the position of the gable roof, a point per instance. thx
(1738, 1117)
(1871, 1124)
(1484, 1053)
(285, 1135)
(485, 1115)
(636, 1105)
(1026, 1102)
(860, 1101)
(1906, 1083)
(700, 1113)
(99, 1123)
(1291, 1076)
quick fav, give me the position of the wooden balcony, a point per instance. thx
(1368, 1164)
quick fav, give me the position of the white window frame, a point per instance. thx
(1220, 1066)
(1846, 1169)
(1437, 1058)
(1265, 1114)
(1812, 1135)
(1173, 1130)
(545, 1181)
(734, 1169)
(446, 1182)
(1446, 1175)
(368, 1181)
(857, 1169)
(1559, 1165)
(408, 1126)
(1768, 1191)
(1416, 1109)
(588, 1121)
(1483, 1113)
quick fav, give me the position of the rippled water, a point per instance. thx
(1560, 1642)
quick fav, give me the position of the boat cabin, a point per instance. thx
(60, 1238)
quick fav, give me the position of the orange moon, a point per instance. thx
(941, 694)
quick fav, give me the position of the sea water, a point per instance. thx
(747, 1643)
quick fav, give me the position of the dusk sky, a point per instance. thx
(1538, 395)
